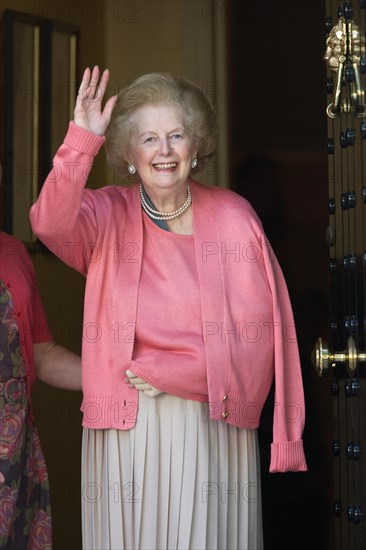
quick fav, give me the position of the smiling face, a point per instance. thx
(160, 148)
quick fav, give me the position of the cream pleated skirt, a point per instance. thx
(178, 480)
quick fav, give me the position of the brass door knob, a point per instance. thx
(322, 358)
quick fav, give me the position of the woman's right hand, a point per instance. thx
(88, 113)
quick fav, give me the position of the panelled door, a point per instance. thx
(343, 357)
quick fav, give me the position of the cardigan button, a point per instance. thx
(224, 398)
(225, 414)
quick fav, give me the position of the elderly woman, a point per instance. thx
(187, 321)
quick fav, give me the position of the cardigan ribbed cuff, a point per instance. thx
(82, 140)
(288, 456)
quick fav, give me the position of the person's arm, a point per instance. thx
(57, 366)
(64, 215)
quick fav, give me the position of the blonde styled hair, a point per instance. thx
(199, 115)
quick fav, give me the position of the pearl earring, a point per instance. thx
(194, 163)
(132, 169)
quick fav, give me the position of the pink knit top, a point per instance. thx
(168, 337)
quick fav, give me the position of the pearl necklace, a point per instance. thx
(156, 215)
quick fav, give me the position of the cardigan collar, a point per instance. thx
(211, 277)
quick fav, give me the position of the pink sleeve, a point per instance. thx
(63, 217)
(287, 453)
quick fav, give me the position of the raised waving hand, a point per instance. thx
(88, 112)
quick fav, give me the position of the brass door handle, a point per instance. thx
(334, 109)
(322, 358)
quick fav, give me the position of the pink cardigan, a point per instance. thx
(248, 326)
